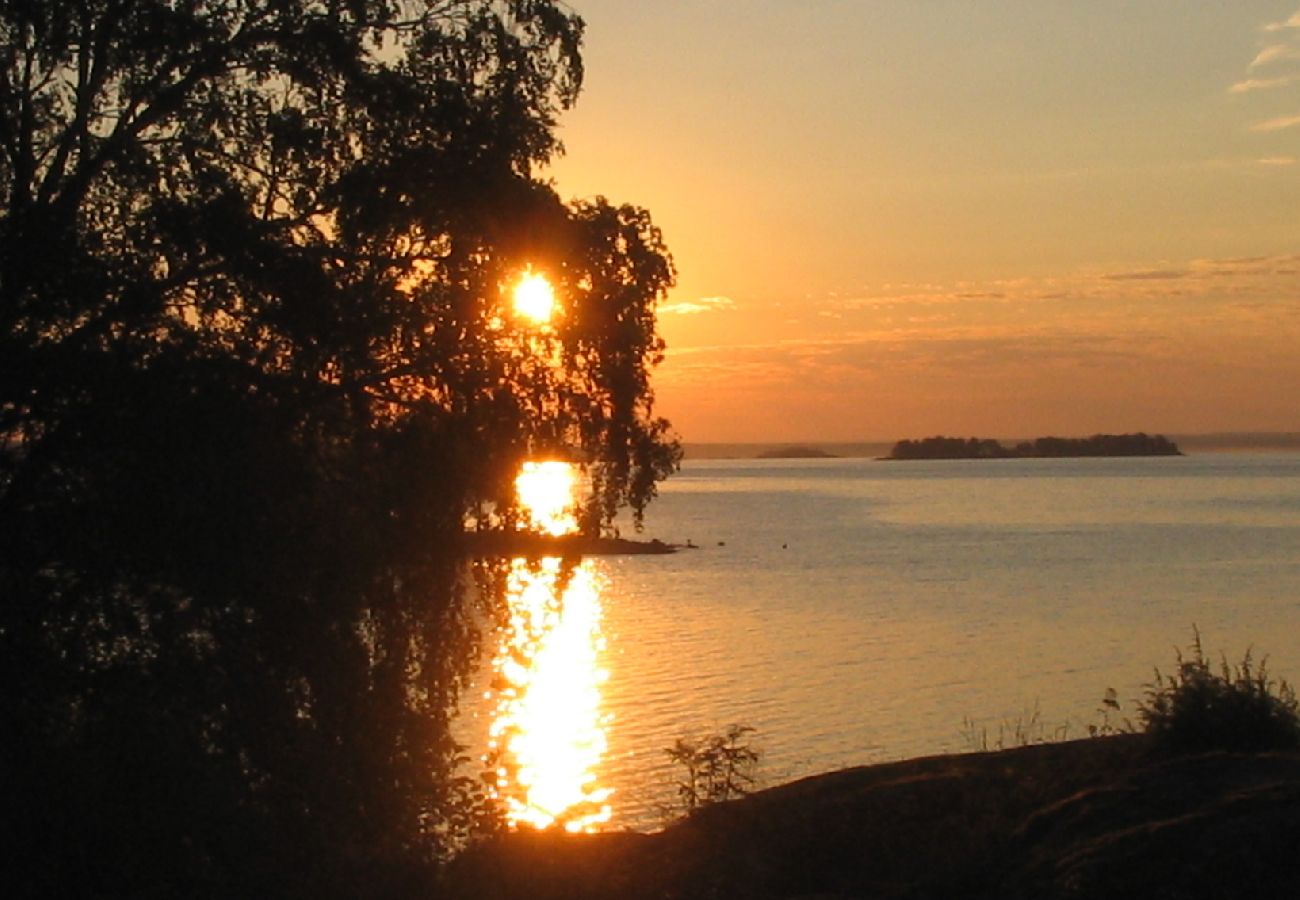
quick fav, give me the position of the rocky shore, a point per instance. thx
(1098, 818)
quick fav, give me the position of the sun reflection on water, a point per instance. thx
(548, 729)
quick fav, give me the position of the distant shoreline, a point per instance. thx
(796, 451)
(1209, 442)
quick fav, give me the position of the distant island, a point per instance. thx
(1139, 444)
(795, 451)
(1216, 442)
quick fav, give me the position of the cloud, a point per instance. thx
(1285, 46)
(1016, 302)
(1277, 161)
(694, 307)
(1261, 84)
(1146, 275)
(1162, 327)
(935, 352)
(1293, 22)
(1276, 124)
(932, 295)
(1274, 53)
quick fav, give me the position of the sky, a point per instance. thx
(1005, 218)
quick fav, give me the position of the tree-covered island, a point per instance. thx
(1140, 444)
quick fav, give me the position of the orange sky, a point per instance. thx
(1008, 218)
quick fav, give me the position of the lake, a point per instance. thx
(853, 611)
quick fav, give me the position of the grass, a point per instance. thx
(1022, 731)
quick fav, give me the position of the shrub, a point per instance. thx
(1235, 708)
(718, 766)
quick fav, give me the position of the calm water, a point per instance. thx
(854, 611)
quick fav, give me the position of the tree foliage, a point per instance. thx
(256, 368)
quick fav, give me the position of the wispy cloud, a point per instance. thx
(1095, 320)
(1274, 53)
(1277, 161)
(695, 307)
(1247, 85)
(1293, 22)
(1278, 54)
(1276, 124)
(1146, 275)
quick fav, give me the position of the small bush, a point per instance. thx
(1236, 708)
(718, 766)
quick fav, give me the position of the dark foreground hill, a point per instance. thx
(1098, 818)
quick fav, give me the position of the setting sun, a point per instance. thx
(545, 491)
(534, 298)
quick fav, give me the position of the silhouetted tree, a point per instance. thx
(256, 368)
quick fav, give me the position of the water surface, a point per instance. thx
(854, 611)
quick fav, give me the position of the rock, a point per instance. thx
(1103, 818)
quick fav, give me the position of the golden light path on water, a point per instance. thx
(548, 730)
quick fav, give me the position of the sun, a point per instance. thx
(535, 298)
(545, 491)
